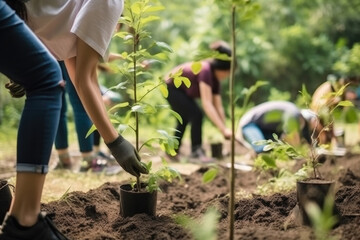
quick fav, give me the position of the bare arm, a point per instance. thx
(210, 109)
(82, 71)
(219, 107)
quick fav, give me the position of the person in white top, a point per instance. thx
(79, 32)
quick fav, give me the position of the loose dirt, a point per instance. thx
(94, 215)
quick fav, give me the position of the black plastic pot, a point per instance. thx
(216, 150)
(5, 199)
(132, 202)
(313, 190)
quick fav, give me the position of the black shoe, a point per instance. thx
(44, 229)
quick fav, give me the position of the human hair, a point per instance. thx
(221, 47)
(19, 7)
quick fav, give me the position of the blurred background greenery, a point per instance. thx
(286, 43)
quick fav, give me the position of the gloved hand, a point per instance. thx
(15, 89)
(126, 155)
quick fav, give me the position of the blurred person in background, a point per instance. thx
(204, 86)
(282, 118)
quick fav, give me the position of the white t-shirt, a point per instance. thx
(58, 23)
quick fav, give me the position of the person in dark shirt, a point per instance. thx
(204, 86)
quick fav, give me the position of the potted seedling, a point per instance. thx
(143, 104)
(5, 198)
(316, 189)
(310, 185)
(134, 199)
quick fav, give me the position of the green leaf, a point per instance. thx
(121, 34)
(161, 56)
(351, 115)
(271, 162)
(136, 8)
(210, 175)
(177, 82)
(345, 103)
(164, 91)
(196, 67)
(154, 8)
(164, 46)
(91, 130)
(186, 81)
(178, 117)
(120, 105)
(149, 19)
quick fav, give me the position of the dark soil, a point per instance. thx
(95, 214)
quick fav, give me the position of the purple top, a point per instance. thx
(206, 75)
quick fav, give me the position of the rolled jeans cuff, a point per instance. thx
(30, 168)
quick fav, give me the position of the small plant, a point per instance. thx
(204, 228)
(142, 85)
(322, 220)
(280, 148)
(153, 179)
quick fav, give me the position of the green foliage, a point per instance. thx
(204, 228)
(10, 108)
(140, 83)
(165, 173)
(65, 196)
(278, 160)
(210, 174)
(274, 151)
(275, 94)
(322, 220)
(283, 181)
(349, 63)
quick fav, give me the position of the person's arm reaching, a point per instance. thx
(82, 71)
(210, 109)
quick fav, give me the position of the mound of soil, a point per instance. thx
(94, 215)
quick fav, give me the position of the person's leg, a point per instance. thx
(196, 120)
(39, 74)
(252, 133)
(61, 139)
(97, 138)
(178, 102)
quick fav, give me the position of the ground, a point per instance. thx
(94, 214)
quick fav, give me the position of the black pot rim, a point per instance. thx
(319, 182)
(128, 188)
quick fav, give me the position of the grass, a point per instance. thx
(58, 183)
(7, 142)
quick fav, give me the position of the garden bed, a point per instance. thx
(95, 214)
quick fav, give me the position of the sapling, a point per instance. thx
(279, 146)
(203, 228)
(323, 220)
(165, 173)
(140, 84)
(137, 16)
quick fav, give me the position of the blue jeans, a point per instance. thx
(25, 60)
(82, 120)
(252, 133)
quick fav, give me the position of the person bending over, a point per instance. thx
(204, 86)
